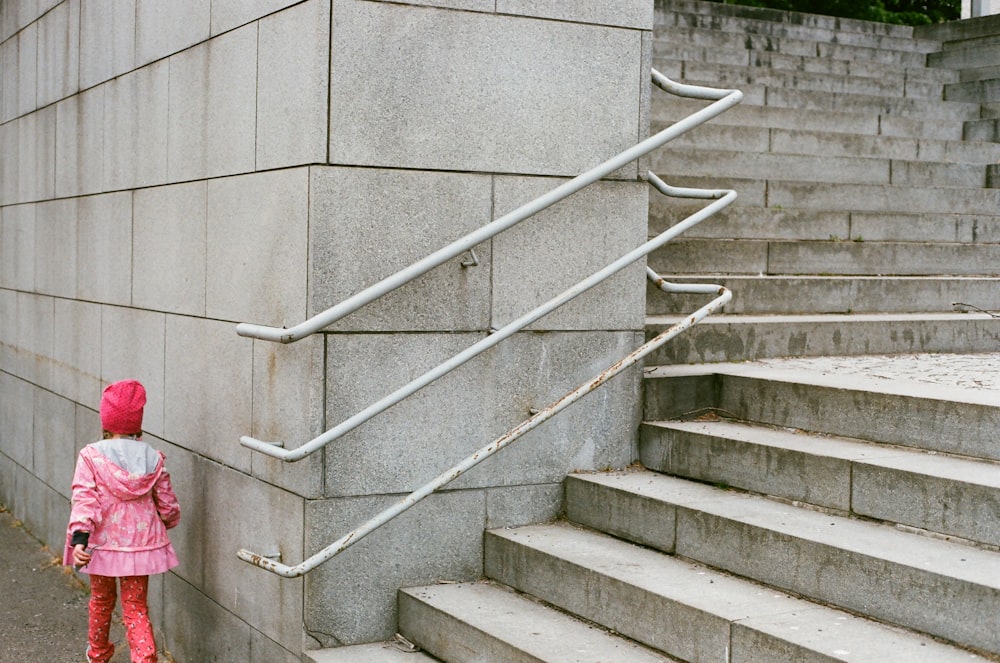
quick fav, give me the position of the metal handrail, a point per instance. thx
(721, 198)
(276, 449)
(446, 477)
(724, 99)
(476, 349)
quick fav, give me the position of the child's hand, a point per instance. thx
(80, 556)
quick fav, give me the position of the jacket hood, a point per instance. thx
(129, 468)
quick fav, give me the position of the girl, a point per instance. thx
(123, 505)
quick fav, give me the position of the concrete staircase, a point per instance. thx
(814, 521)
(863, 214)
(776, 518)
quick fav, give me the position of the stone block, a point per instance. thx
(36, 154)
(203, 630)
(258, 235)
(293, 81)
(27, 62)
(35, 320)
(605, 220)
(88, 427)
(288, 407)
(189, 475)
(8, 328)
(241, 512)
(54, 444)
(164, 28)
(8, 163)
(135, 127)
(229, 14)
(168, 248)
(513, 506)
(348, 251)
(17, 260)
(212, 107)
(55, 244)
(107, 40)
(265, 650)
(502, 94)
(17, 422)
(59, 52)
(133, 347)
(104, 248)
(10, 74)
(77, 350)
(207, 389)
(44, 511)
(442, 537)
(472, 406)
(636, 14)
(80, 143)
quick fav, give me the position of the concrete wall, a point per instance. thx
(168, 169)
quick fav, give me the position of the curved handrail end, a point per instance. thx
(275, 449)
(265, 333)
(268, 564)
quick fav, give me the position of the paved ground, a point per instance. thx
(44, 615)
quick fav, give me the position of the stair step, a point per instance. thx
(780, 141)
(962, 55)
(732, 163)
(665, 50)
(685, 609)
(744, 220)
(724, 338)
(824, 295)
(775, 96)
(666, 109)
(983, 73)
(956, 31)
(878, 198)
(377, 652)
(864, 567)
(831, 23)
(774, 35)
(985, 130)
(728, 75)
(483, 623)
(953, 496)
(720, 256)
(913, 414)
(982, 91)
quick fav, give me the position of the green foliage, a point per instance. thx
(902, 12)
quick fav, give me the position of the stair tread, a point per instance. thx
(377, 652)
(838, 318)
(542, 633)
(732, 599)
(776, 140)
(767, 35)
(957, 468)
(960, 562)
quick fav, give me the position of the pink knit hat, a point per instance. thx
(121, 407)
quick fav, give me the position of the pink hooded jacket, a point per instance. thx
(122, 496)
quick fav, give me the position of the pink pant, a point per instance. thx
(138, 630)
